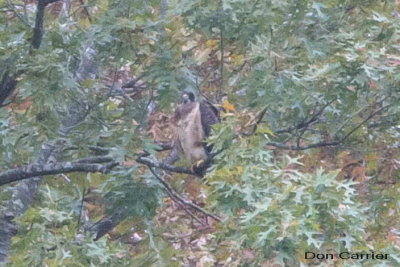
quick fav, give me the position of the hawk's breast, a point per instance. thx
(191, 134)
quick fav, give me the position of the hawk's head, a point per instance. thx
(187, 97)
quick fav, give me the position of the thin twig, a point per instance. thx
(365, 120)
(333, 143)
(191, 214)
(181, 199)
(221, 67)
(258, 121)
(85, 9)
(19, 16)
(305, 122)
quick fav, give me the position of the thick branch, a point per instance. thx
(38, 30)
(7, 85)
(132, 83)
(161, 165)
(98, 159)
(35, 170)
(99, 149)
(164, 146)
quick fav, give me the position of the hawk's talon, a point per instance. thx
(199, 163)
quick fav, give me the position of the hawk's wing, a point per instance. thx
(209, 116)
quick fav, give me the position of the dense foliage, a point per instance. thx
(307, 153)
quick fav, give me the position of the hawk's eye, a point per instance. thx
(185, 98)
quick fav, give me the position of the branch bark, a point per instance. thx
(39, 30)
(7, 85)
(34, 170)
(164, 166)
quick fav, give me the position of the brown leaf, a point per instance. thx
(228, 106)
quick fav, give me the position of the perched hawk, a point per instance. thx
(192, 121)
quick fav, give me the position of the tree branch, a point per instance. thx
(257, 122)
(364, 121)
(99, 149)
(175, 196)
(7, 85)
(35, 170)
(332, 143)
(132, 83)
(164, 146)
(98, 159)
(38, 30)
(164, 166)
(50, 1)
(306, 122)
